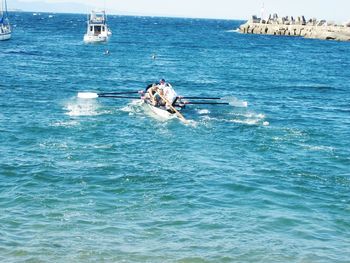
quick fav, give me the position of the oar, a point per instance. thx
(200, 98)
(207, 103)
(232, 101)
(119, 93)
(181, 117)
(93, 95)
(117, 97)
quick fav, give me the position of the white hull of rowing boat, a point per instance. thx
(160, 114)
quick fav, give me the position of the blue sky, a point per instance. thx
(336, 10)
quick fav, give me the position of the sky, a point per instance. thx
(335, 10)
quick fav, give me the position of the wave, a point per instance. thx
(250, 118)
(203, 111)
(23, 52)
(320, 148)
(233, 101)
(134, 107)
(70, 123)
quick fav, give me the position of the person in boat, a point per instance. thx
(158, 98)
(149, 86)
(152, 92)
(169, 92)
(156, 92)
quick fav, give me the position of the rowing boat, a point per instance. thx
(170, 111)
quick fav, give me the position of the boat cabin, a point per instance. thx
(97, 22)
(96, 29)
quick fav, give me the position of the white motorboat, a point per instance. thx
(5, 27)
(97, 28)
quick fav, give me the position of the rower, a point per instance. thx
(169, 94)
(152, 95)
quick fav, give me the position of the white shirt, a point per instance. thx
(169, 92)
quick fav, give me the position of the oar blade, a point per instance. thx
(87, 95)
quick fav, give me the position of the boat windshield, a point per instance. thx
(98, 17)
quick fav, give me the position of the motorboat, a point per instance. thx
(97, 28)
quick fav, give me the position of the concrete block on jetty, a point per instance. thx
(299, 26)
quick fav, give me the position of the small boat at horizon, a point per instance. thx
(5, 27)
(97, 28)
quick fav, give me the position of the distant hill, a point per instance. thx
(67, 7)
(36, 6)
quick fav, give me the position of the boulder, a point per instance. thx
(321, 23)
(303, 21)
(286, 26)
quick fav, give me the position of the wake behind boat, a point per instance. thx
(97, 28)
(5, 27)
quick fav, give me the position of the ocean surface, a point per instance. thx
(266, 179)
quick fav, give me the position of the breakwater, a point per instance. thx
(288, 26)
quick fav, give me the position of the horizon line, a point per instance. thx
(14, 10)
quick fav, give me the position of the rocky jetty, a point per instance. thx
(290, 26)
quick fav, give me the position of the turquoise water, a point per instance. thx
(265, 180)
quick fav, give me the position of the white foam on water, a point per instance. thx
(294, 133)
(104, 146)
(249, 118)
(81, 110)
(69, 123)
(320, 148)
(191, 123)
(135, 106)
(250, 115)
(83, 107)
(247, 121)
(203, 111)
(246, 118)
(54, 145)
(233, 101)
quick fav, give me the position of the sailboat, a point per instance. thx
(97, 29)
(5, 27)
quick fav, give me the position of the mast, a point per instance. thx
(1, 10)
(6, 9)
(263, 11)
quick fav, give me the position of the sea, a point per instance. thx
(263, 179)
